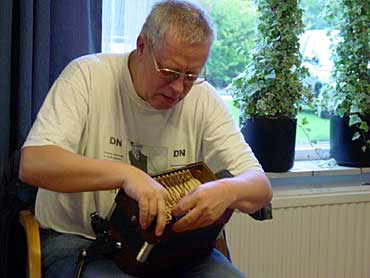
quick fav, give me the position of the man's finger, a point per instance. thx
(184, 205)
(187, 222)
(161, 218)
(152, 211)
(143, 212)
(200, 223)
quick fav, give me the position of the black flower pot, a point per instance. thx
(272, 141)
(343, 149)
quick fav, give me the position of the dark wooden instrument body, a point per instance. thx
(171, 248)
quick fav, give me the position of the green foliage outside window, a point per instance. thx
(235, 23)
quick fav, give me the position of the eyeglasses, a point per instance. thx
(172, 75)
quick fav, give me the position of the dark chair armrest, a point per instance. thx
(263, 214)
(221, 245)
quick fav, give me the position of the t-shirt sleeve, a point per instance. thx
(223, 144)
(63, 115)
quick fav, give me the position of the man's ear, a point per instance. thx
(141, 43)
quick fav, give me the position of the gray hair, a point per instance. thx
(189, 22)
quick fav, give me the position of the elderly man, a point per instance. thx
(77, 151)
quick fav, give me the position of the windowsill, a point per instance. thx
(318, 176)
(313, 168)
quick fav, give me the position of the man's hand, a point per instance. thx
(203, 206)
(151, 197)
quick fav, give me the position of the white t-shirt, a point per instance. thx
(92, 109)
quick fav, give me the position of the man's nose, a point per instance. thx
(178, 85)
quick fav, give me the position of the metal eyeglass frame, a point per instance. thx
(172, 75)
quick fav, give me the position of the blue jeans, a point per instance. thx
(60, 253)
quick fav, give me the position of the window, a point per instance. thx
(235, 22)
(122, 21)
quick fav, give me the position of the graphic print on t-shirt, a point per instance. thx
(150, 159)
(116, 149)
(137, 158)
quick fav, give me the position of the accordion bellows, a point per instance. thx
(142, 252)
(177, 184)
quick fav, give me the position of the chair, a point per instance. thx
(18, 226)
(31, 228)
(30, 225)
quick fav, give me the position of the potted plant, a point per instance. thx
(348, 100)
(270, 90)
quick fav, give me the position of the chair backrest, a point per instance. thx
(11, 184)
(14, 197)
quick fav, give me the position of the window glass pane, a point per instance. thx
(315, 47)
(122, 21)
(235, 22)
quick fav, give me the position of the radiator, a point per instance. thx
(320, 234)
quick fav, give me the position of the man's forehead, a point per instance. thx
(178, 53)
(171, 37)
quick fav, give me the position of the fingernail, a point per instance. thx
(158, 233)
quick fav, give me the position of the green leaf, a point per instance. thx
(354, 109)
(304, 121)
(356, 136)
(364, 126)
(354, 119)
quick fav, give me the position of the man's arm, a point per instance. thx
(252, 191)
(247, 192)
(56, 169)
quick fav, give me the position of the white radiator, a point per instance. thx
(312, 235)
